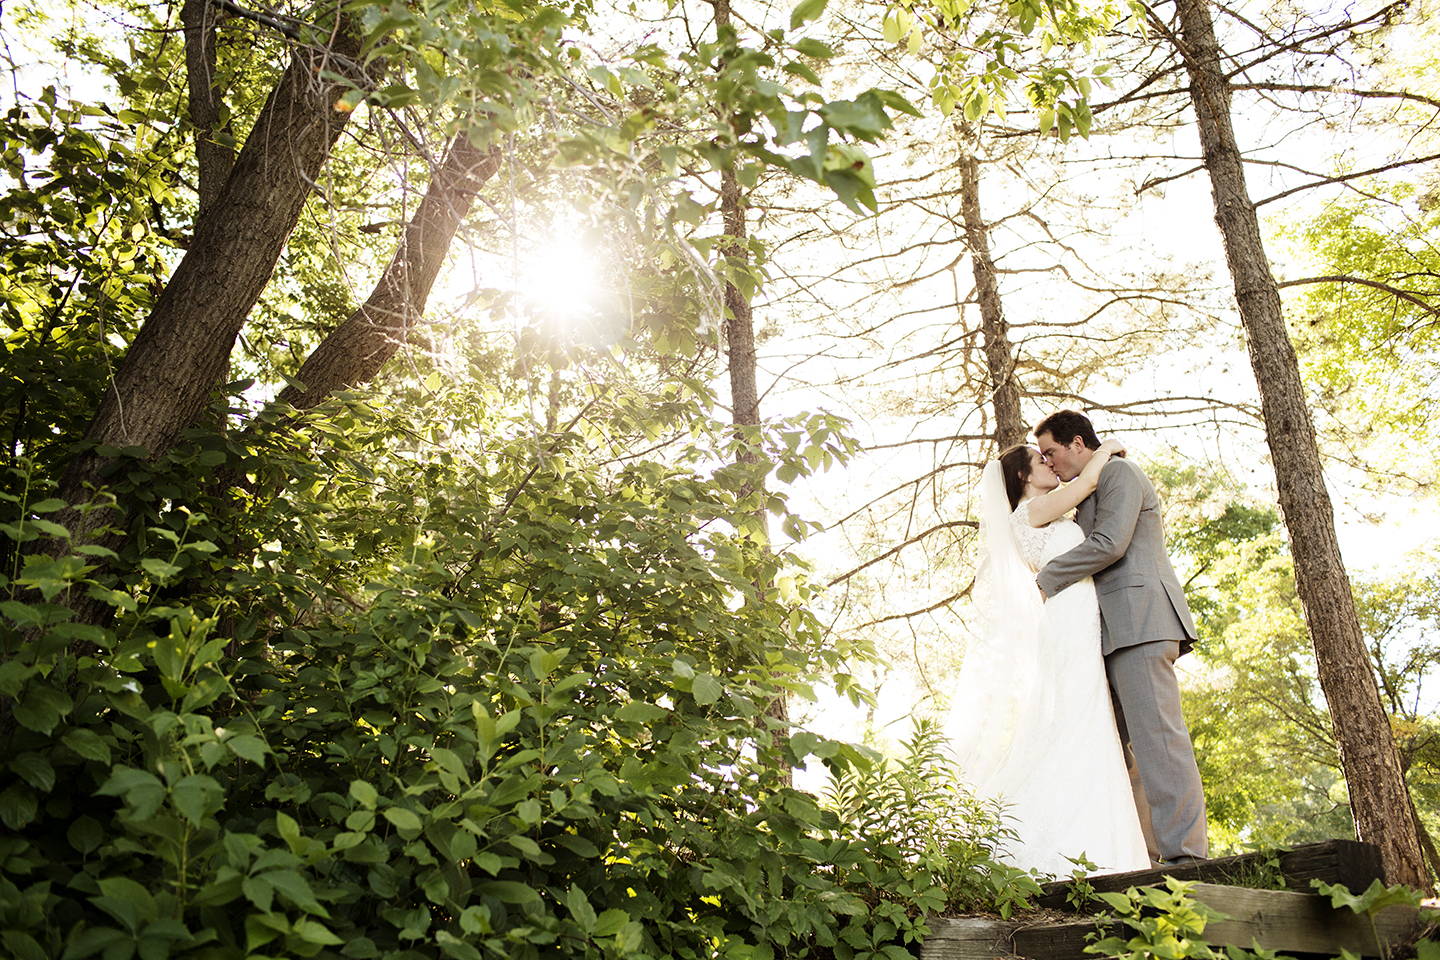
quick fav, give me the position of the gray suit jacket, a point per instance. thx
(1140, 597)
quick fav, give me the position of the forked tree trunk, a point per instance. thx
(1004, 389)
(356, 350)
(1378, 795)
(181, 351)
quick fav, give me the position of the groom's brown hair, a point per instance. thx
(1065, 425)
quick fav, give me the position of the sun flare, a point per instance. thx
(559, 282)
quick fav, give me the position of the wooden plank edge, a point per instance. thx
(1349, 862)
(1274, 919)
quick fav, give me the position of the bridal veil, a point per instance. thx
(1004, 695)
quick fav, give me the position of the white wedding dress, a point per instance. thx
(1047, 745)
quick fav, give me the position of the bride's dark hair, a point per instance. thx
(1015, 467)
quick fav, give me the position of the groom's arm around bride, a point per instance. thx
(1145, 624)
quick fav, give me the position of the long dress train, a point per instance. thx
(1047, 746)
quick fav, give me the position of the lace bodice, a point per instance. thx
(1039, 545)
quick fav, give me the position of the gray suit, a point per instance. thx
(1145, 624)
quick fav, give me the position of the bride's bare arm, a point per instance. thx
(1063, 499)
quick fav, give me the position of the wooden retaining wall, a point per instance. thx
(1289, 920)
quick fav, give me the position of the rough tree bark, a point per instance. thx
(356, 350)
(213, 159)
(739, 319)
(177, 359)
(740, 345)
(1379, 799)
(1004, 389)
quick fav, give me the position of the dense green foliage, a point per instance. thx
(485, 699)
(1263, 737)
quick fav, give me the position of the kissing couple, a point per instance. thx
(1070, 671)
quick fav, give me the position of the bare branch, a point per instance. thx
(949, 524)
(1393, 291)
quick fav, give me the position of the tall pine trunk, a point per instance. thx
(1379, 799)
(739, 332)
(1004, 389)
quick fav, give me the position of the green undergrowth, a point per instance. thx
(1167, 923)
(504, 705)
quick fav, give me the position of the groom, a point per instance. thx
(1145, 624)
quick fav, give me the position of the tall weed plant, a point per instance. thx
(397, 702)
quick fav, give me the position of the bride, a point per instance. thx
(1031, 722)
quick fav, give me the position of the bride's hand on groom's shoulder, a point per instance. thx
(1113, 446)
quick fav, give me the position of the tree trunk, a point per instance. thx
(178, 356)
(356, 350)
(739, 320)
(740, 345)
(1004, 389)
(1378, 795)
(213, 159)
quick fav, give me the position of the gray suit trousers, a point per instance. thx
(1142, 678)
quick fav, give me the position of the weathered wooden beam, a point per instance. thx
(967, 938)
(1335, 861)
(1274, 919)
(1299, 922)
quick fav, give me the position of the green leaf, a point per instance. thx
(296, 889)
(364, 794)
(160, 570)
(611, 922)
(87, 743)
(197, 797)
(580, 909)
(706, 688)
(248, 747)
(18, 806)
(814, 48)
(403, 819)
(805, 11)
(89, 942)
(34, 770)
(508, 891)
(85, 834)
(42, 708)
(890, 27)
(142, 791)
(529, 810)
(638, 711)
(22, 946)
(1375, 898)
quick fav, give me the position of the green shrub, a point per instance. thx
(499, 704)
